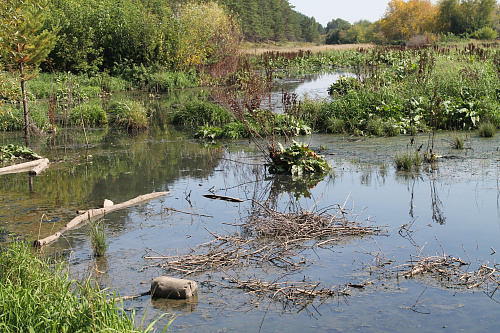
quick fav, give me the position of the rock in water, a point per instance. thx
(167, 287)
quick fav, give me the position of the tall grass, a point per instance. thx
(487, 130)
(407, 161)
(38, 295)
(97, 234)
(130, 115)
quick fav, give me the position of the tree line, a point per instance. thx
(412, 19)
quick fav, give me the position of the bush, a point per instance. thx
(485, 33)
(11, 118)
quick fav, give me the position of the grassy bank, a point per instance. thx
(38, 295)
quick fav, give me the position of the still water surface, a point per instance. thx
(453, 206)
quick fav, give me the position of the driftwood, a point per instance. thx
(33, 167)
(222, 197)
(83, 218)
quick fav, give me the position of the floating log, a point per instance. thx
(86, 216)
(33, 167)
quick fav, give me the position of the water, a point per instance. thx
(451, 207)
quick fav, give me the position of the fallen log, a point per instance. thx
(86, 216)
(33, 167)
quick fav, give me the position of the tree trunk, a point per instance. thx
(25, 106)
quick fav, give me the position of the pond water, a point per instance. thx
(452, 206)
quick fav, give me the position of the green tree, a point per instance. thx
(335, 29)
(465, 16)
(24, 44)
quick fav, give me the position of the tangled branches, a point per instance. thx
(269, 239)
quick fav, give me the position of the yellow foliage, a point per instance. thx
(206, 31)
(405, 19)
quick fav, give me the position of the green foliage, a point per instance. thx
(130, 115)
(13, 152)
(198, 113)
(91, 113)
(343, 85)
(334, 125)
(407, 91)
(487, 130)
(485, 33)
(38, 295)
(208, 132)
(407, 161)
(297, 160)
(11, 117)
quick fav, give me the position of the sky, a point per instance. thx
(350, 10)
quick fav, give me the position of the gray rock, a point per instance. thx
(167, 287)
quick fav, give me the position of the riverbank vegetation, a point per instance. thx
(38, 295)
(97, 48)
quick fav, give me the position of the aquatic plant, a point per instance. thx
(487, 130)
(457, 142)
(92, 114)
(343, 85)
(12, 152)
(298, 159)
(97, 235)
(198, 113)
(131, 115)
(334, 125)
(407, 160)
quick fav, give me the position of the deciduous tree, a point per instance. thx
(403, 20)
(24, 44)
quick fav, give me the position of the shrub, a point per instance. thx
(11, 118)
(485, 33)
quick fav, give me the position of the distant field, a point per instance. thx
(261, 48)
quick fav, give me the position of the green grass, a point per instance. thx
(130, 115)
(457, 142)
(407, 161)
(97, 234)
(38, 295)
(487, 130)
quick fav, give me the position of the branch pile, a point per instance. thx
(304, 225)
(292, 294)
(227, 251)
